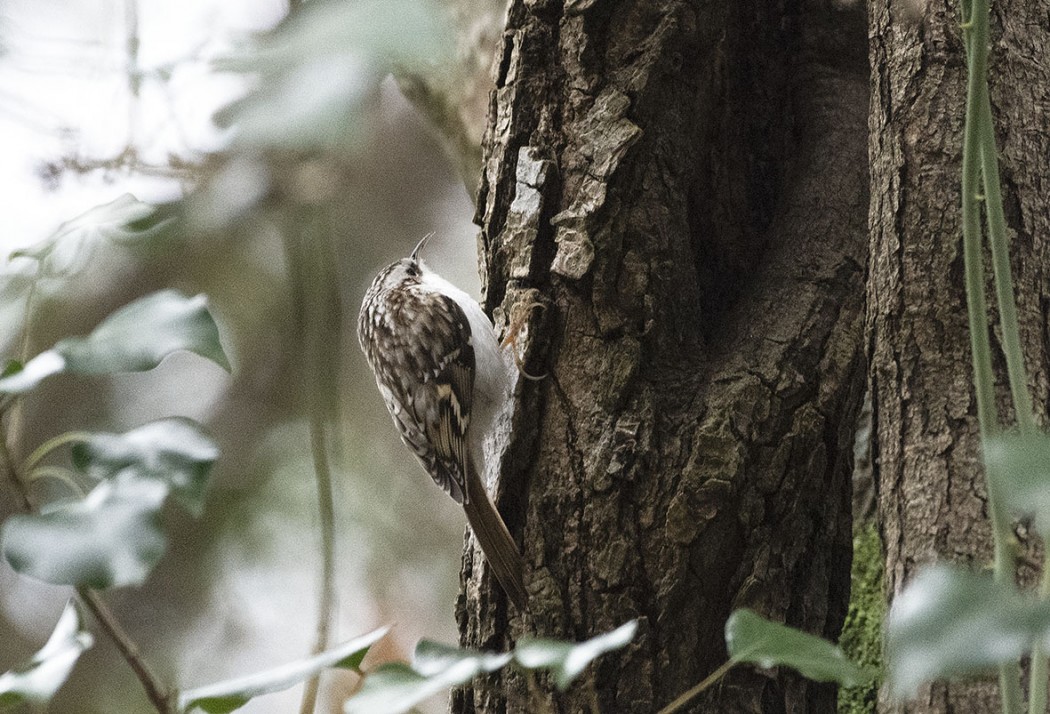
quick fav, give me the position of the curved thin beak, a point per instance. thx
(419, 246)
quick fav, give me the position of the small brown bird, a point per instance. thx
(444, 379)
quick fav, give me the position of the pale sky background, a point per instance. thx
(63, 84)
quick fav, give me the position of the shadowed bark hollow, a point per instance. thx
(684, 186)
(932, 496)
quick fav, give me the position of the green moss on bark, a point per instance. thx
(862, 632)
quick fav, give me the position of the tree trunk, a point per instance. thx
(684, 186)
(932, 496)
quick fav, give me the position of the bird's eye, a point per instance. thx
(413, 271)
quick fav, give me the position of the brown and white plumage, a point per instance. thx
(443, 377)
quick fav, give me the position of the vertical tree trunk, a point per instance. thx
(684, 185)
(932, 496)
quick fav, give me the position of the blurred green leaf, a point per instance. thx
(752, 638)
(950, 622)
(219, 705)
(135, 338)
(397, 687)
(66, 251)
(176, 451)
(567, 660)
(111, 538)
(232, 694)
(433, 658)
(393, 688)
(1019, 469)
(319, 66)
(36, 681)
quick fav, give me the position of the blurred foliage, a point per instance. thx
(113, 536)
(752, 638)
(566, 661)
(66, 252)
(229, 696)
(1019, 468)
(37, 680)
(395, 688)
(136, 338)
(317, 70)
(952, 622)
(283, 229)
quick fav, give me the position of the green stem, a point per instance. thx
(313, 279)
(1004, 281)
(40, 452)
(326, 509)
(56, 473)
(980, 343)
(697, 690)
(7, 464)
(14, 401)
(1011, 336)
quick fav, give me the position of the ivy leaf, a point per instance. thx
(232, 694)
(175, 451)
(111, 538)
(396, 687)
(567, 660)
(391, 689)
(66, 251)
(1019, 468)
(135, 338)
(36, 681)
(951, 622)
(752, 638)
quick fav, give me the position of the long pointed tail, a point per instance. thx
(495, 540)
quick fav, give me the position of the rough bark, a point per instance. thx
(932, 498)
(684, 186)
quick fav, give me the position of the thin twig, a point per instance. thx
(696, 691)
(162, 698)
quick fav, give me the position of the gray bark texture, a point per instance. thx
(932, 497)
(684, 187)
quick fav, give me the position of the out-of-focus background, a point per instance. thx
(293, 169)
